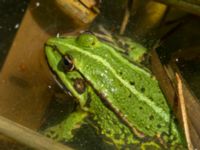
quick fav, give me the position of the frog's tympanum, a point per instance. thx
(121, 98)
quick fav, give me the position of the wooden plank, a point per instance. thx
(25, 81)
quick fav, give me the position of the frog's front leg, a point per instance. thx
(63, 130)
(132, 50)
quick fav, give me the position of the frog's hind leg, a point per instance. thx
(63, 130)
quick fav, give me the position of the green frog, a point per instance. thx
(121, 98)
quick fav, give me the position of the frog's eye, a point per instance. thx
(66, 64)
(87, 40)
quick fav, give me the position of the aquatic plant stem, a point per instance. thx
(183, 112)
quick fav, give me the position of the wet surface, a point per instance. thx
(11, 14)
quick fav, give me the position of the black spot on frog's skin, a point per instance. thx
(142, 89)
(132, 82)
(66, 64)
(151, 98)
(163, 103)
(151, 117)
(120, 73)
(140, 107)
(79, 85)
(54, 48)
(159, 126)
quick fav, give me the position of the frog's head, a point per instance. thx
(62, 54)
(63, 50)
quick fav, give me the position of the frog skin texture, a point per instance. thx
(121, 99)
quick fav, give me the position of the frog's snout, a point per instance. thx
(87, 40)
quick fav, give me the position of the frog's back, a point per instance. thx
(130, 91)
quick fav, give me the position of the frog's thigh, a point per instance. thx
(63, 131)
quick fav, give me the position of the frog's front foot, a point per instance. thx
(63, 131)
